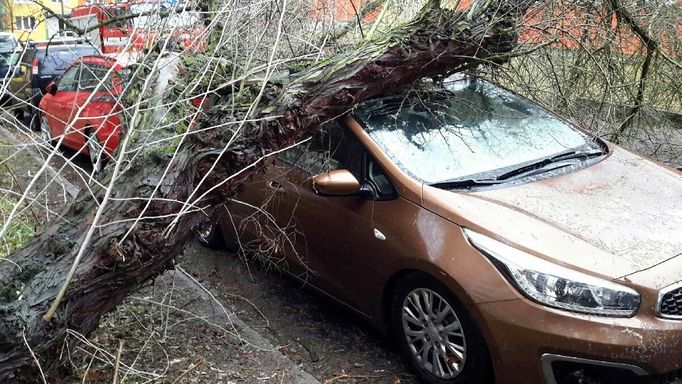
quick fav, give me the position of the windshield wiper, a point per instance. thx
(466, 183)
(569, 155)
(526, 170)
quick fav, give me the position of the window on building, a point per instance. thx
(25, 23)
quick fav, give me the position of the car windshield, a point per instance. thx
(55, 60)
(468, 128)
(8, 60)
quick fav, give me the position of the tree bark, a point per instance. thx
(438, 42)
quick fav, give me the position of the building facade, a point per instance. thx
(31, 21)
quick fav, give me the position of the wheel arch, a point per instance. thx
(441, 277)
(448, 283)
(89, 127)
(389, 289)
(433, 273)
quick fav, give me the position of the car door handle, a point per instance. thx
(275, 186)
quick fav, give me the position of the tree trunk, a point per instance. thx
(438, 42)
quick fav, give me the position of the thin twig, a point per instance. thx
(118, 361)
(35, 359)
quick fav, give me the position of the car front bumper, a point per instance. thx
(531, 343)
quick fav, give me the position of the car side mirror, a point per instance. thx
(339, 182)
(51, 88)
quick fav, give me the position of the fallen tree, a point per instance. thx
(133, 225)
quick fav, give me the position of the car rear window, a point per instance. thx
(55, 60)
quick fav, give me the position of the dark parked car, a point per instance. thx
(493, 240)
(48, 62)
(14, 74)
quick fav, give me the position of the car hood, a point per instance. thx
(617, 217)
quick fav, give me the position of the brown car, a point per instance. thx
(494, 241)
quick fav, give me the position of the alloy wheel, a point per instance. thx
(45, 130)
(206, 234)
(434, 334)
(94, 151)
(34, 121)
(212, 237)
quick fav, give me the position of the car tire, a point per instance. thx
(95, 150)
(18, 114)
(45, 131)
(33, 121)
(464, 356)
(212, 237)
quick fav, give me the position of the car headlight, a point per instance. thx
(554, 285)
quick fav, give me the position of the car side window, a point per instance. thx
(379, 181)
(331, 147)
(334, 146)
(69, 80)
(91, 76)
(346, 151)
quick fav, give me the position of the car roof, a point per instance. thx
(107, 61)
(60, 45)
(78, 50)
(97, 59)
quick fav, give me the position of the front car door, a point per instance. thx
(96, 89)
(58, 107)
(335, 236)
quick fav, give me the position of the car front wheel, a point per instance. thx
(212, 237)
(436, 334)
(45, 131)
(95, 151)
(33, 121)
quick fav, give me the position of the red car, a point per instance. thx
(83, 106)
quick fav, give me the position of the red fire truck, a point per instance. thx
(110, 38)
(139, 32)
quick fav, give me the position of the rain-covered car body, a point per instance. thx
(85, 99)
(565, 250)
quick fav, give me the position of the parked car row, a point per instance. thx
(28, 69)
(64, 84)
(48, 63)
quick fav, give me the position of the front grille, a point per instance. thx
(670, 302)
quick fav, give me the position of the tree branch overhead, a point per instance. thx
(216, 155)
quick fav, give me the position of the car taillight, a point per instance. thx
(197, 101)
(35, 69)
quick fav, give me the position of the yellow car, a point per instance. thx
(15, 82)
